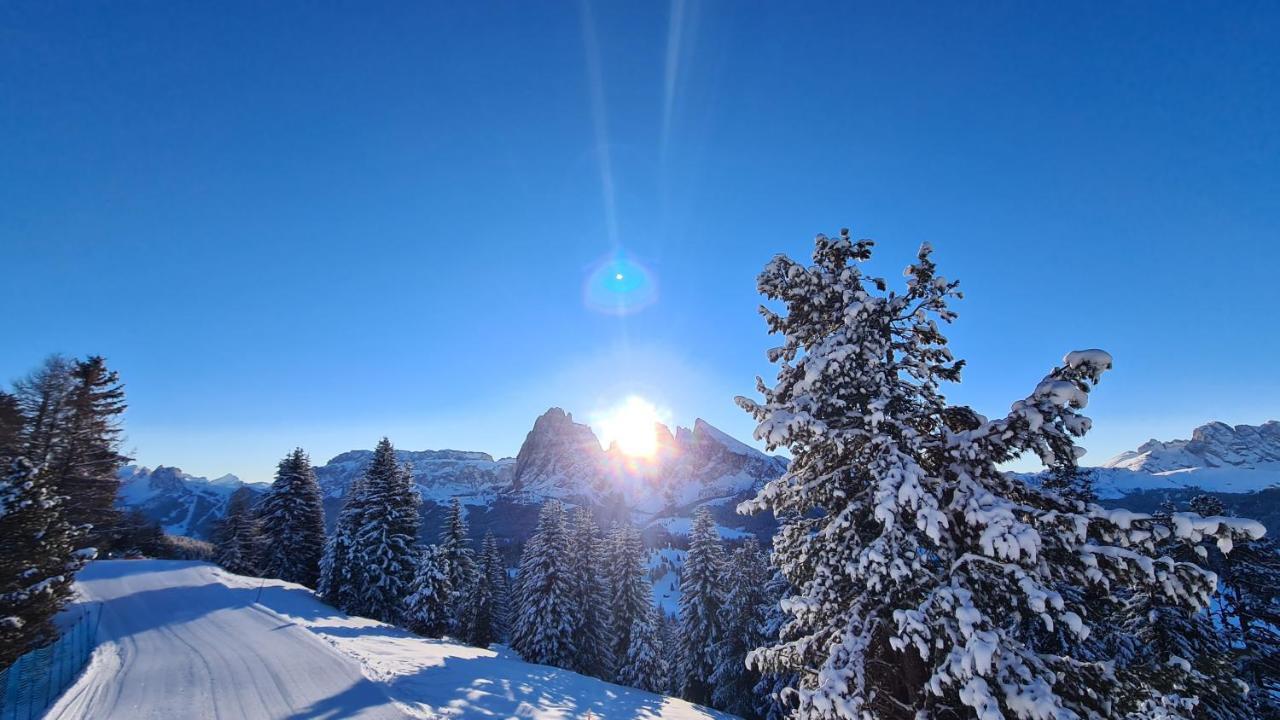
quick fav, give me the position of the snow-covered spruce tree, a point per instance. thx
(542, 631)
(485, 615)
(479, 619)
(592, 632)
(1071, 481)
(38, 562)
(292, 515)
(1249, 604)
(495, 570)
(1184, 661)
(742, 623)
(629, 594)
(427, 607)
(914, 559)
(340, 576)
(668, 628)
(1253, 600)
(701, 598)
(73, 433)
(238, 537)
(645, 666)
(773, 694)
(456, 547)
(385, 546)
(1074, 484)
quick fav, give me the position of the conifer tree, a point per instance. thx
(742, 623)
(1075, 485)
(1183, 659)
(670, 645)
(495, 571)
(292, 515)
(591, 623)
(485, 617)
(38, 562)
(73, 433)
(645, 666)
(456, 546)
(91, 459)
(340, 575)
(427, 608)
(43, 399)
(479, 619)
(773, 696)
(543, 627)
(11, 426)
(701, 598)
(238, 537)
(385, 546)
(1249, 577)
(629, 594)
(1071, 481)
(1253, 601)
(915, 561)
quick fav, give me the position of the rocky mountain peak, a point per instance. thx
(557, 455)
(1213, 445)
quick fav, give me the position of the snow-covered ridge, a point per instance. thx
(183, 504)
(562, 459)
(438, 474)
(1215, 445)
(1218, 458)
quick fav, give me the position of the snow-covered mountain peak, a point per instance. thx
(704, 431)
(559, 457)
(183, 504)
(1214, 445)
(1218, 458)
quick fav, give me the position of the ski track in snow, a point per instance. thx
(188, 640)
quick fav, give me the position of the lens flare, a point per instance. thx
(632, 426)
(619, 285)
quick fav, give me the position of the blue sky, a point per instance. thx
(302, 225)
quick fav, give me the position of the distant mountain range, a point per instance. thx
(559, 459)
(182, 504)
(1218, 458)
(562, 459)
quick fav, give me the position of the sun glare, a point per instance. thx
(632, 425)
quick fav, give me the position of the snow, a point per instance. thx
(683, 525)
(730, 443)
(190, 640)
(664, 568)
(1116, 482)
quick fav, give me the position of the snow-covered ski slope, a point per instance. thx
(190, 640)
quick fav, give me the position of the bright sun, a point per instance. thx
(632, 425)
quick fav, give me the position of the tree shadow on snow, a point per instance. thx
(139, 612)
(358, 697)
(487, 687)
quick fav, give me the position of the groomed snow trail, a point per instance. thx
(185, 640)
(190, 640)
